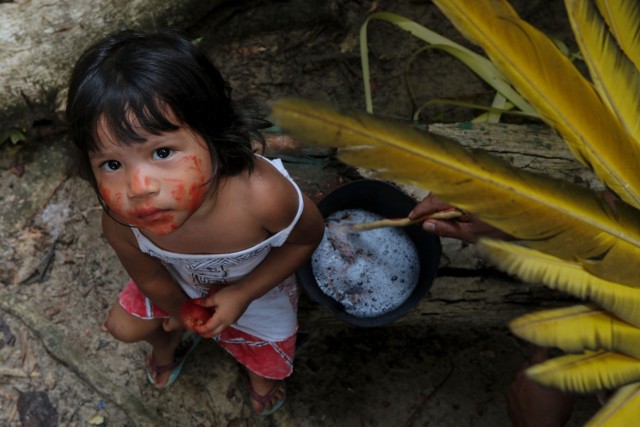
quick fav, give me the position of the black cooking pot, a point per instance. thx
(388, 201)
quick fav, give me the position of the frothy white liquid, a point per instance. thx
(368, 272)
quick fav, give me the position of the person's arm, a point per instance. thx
(466, 227)
(231, 301)
(147, 272)
(531, 405)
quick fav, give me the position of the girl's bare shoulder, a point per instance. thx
(119, 235)
(272, 196)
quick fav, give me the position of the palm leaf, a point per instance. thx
(587, 372)
(623, 18)
(548, 80)
(615, 77)
(569, 277)
(586, 247)
(480, 65)
(576, 328)
(622, 409)
(556, 217)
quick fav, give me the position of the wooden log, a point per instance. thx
(41, 40)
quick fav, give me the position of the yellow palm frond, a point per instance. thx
(587, 372)
(623, 19)
(534, 266)
(615, 77)
(569, 239)
(552, 84)
(622, 409)
(576, 328)
(556, 217)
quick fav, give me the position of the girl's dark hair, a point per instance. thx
(137, 78)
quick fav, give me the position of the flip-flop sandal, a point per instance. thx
(189, 341)
(264, 399)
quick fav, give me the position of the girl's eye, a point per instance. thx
(111, 165)
(162, 153)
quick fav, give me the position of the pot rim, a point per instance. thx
(388, 200)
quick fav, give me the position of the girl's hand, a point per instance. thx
(467, 227)
(229, 304)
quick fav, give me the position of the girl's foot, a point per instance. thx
(163, 372)
(162, 375)
(267, 395)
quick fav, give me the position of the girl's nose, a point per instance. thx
(142, 185)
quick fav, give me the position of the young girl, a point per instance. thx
(189, 209)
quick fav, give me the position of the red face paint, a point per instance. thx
(105, 193)
(178, 192)
(197, 193)
(114, 201)
(196, 163)
(157, 195)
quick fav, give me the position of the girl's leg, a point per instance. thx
(264, 361)
(128, 328)
(262, 386)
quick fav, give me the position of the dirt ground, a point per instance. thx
(447, 363)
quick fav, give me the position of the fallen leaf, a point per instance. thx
(97, 420)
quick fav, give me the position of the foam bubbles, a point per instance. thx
(368, 272)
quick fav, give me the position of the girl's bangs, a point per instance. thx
(130, 115)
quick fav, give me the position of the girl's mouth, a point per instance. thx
(151, 215)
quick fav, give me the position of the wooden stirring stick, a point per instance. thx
(403, 222)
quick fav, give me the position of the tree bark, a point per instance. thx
(40, 41)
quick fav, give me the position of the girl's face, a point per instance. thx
(156, 185)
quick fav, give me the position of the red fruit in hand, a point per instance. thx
(194, 315)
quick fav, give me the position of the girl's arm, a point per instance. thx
(147, 272)
(282, 262)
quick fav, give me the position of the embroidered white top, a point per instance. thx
(272, 317)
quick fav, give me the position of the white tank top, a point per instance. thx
(271, 317)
